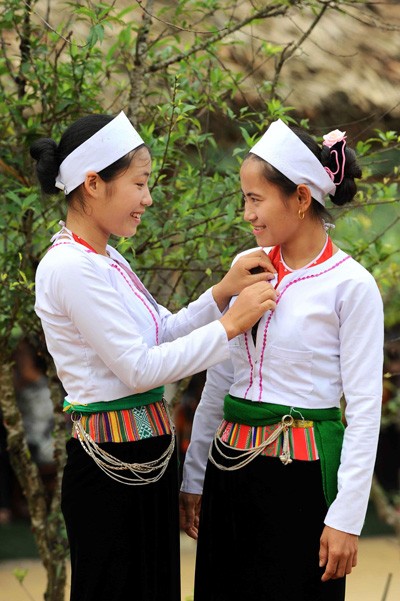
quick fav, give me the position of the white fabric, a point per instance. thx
(103, 338)
(325, 338)
(280, 147)
(110, 143)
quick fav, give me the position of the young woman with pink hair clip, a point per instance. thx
(274, 486)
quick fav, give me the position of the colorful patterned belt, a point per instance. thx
(127, 425)
(301, 439)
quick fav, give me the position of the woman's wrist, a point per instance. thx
(220, 297)
(231, 328)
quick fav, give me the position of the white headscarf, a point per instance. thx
(284, 150)
(110, 143)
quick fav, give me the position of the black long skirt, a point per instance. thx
(124, 540)
(259, 534)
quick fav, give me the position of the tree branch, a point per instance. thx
(291, 48)
(47, 24)
(136, 75)
(269, 12)
(170, 126)
(377, 237)
(172, 25)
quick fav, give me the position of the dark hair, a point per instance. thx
(345, 191)
(49, 155)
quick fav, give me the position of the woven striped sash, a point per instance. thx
(302, 443)
(124, 420)
(327, 424)
(127, 419)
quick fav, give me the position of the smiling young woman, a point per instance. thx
(285, 486)
(116, 207)
(114, 348)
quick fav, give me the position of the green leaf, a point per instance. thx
(20, 574)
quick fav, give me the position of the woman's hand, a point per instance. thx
(249, 307)
(337, 553)
(249, 269)
(189, 512)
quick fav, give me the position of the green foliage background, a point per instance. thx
(161, 63)
(105, 57)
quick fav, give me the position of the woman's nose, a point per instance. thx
(147, 200)
(249, 214)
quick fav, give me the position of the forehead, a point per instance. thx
(251, 167)
(251, 173)
(141, 160)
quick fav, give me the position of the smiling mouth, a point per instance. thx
(136, 215)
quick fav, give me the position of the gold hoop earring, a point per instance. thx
(301, 214)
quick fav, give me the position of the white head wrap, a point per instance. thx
(110, 143)
(280, 147)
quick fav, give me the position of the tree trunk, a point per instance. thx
(56, 569)
(46, 519)
(137, 74)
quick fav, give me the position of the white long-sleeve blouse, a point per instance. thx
(108, 337)
(324, 340)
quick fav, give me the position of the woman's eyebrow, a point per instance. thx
(250, 194)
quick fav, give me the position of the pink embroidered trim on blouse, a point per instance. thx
(127, 281)
(115, 266)
(246, 341)
(306, 277)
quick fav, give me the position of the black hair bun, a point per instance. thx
(44, 151)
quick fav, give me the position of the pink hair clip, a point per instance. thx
(337, 157)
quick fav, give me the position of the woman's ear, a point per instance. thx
(304, 197)
(92, 183)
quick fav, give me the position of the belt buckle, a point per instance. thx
(287, 421)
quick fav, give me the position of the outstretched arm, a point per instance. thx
(210, 305)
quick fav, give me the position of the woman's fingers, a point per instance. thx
(189, 511)
(249, 307)
(249, 269)
(338, 553)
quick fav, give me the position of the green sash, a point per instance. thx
(126, 402)
(328, 428)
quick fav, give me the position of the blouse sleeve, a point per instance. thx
(79, 292)
(361, 364)
(199, 312)
(208, 416)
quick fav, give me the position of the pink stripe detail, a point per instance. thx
(127, 281)
(115, 266)
(306, 277)
(61, 243)
(246, 341)
(263, 348)
(57, 244)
